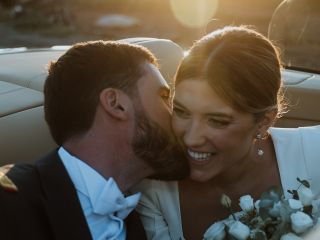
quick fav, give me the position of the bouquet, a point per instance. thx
(272, 217)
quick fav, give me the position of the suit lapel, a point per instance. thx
(134, 227)
(61, 200)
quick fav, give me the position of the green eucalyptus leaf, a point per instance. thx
(270, 229)
(258, 222)
(295, 194)
(255, 222)
(282, 228)
(264, 213)
(266, 203)
(258, 234)
(280, 192)
(265, 196)
(225, 201)
(285, 211)
(304, 182)
(290, 191)
(276, 193)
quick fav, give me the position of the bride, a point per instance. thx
(228, 94)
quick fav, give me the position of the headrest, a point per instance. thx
(28, 69)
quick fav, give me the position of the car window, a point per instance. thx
(295, 28)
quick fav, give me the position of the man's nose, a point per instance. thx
(194, 135)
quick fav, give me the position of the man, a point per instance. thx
(108, 107)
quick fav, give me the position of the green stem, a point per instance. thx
(234, 217)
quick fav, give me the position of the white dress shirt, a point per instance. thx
(103, 204)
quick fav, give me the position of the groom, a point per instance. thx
(108, 108)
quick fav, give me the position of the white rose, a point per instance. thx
(246, 203)
(229, 221)
(239, 230)
(300, 222)
(215, 232)
(305, 195)
(290, 236)
(295, 204)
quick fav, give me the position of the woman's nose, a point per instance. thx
(194, 135)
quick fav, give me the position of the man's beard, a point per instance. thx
(154, 145)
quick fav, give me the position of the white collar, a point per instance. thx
(104, 194)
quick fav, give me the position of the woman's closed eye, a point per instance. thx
(218, 123)
(180, 112)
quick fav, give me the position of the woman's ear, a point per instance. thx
(115, 102)
(267, 121)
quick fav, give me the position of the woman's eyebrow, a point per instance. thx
(221, 115)
(209, 114)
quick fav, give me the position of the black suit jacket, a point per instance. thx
(46, 205)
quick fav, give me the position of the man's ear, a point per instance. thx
(115, 102)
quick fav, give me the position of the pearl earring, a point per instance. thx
(259, 138)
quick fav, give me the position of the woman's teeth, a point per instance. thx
(199, 156)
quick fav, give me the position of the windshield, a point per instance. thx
(293, 25)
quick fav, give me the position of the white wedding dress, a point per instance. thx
(298, 155)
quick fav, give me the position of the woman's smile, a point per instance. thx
(200, 158)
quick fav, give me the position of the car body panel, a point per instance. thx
(302, 90)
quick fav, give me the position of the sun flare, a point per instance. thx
(194, 13)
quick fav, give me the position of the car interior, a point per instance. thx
(24, 135)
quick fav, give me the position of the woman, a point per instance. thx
(228, 93)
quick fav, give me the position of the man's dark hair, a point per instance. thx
(76, 79)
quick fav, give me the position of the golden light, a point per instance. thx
(194, 13)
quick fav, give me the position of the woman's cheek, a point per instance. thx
(177, 126)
